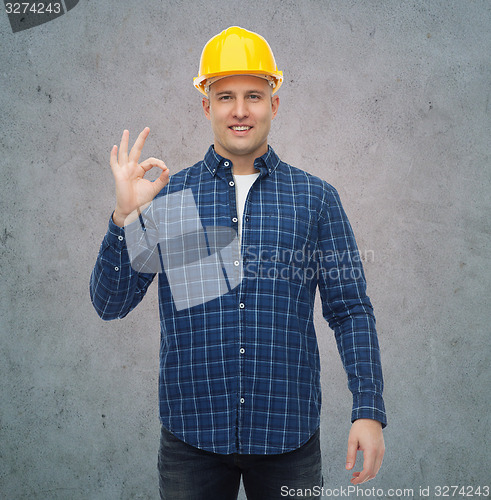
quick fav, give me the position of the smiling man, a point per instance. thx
(239, 383)
(240, 109)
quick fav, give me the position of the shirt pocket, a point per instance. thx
(287, 236)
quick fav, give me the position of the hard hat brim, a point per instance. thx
(200, 82)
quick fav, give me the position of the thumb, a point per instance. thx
(351, 455)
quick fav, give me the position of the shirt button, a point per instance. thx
(242, 305)
(116, 268)
(234, 219)
(242, 350)
(236, 262)
(120, 238)
(226, 163)
(242, 400)
(231, 183)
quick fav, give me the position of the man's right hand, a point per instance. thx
(132, 190)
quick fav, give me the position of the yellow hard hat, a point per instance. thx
(236, 51)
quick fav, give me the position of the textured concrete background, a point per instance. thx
(386, 100)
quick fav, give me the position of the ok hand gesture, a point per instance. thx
(132, 190)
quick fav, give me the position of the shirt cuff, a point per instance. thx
(115, 235)
(369, 406)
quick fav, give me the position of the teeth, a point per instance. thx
(241, 128)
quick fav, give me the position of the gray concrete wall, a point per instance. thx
(386, 100)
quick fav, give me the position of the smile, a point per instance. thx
(240, 128)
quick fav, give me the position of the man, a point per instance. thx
(239, 381)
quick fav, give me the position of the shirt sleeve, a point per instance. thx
(348, 310)
(115, 287)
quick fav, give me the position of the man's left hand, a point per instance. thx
(365, 435)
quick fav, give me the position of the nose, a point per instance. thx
(240, 109)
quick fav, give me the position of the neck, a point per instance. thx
(241, 167)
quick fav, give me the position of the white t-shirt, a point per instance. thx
(242, 185)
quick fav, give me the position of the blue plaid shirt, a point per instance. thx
(241, 373)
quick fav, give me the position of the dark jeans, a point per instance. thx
(188, 473)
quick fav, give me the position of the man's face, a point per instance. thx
(240, 109)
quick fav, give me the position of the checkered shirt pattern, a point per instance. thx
(241, 373)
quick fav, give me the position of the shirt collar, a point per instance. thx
(266, 164)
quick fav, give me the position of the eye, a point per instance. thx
(254, 97)
(224, 98)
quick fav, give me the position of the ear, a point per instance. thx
(275, 103)
(206, 107)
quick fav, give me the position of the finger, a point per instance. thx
(123, 148)
(149, 163)
(355, 476)
(360, 478)
(114, 157)
(368, 468)
(138, 146)
(378, 463)
(159, 183)
(351, 455)
(162, 180)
